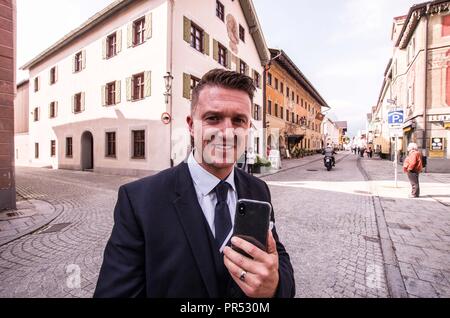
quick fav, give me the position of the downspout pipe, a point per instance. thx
(425, 135)
(169, 70)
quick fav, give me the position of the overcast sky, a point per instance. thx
(342, 46)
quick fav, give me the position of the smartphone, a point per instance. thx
(252, 222)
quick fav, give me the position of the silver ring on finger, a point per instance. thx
(242, 276)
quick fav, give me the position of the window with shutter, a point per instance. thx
(241, 33)
(139, 31)
(111, 93)
(111, 43)
(138, 83)
(77, 103)
(36, 84)
(242, 67)
(52, 148)
(52, 110)
(222, 56)
(220, 11)
(78, 62)
(197, 37)
(53, 75)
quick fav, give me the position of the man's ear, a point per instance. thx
(190, 122)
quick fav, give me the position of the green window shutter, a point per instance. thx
(215, 50)
(119, 41)
(130, 35)
(186, 30)
(83, 101)
(83, 59)
(56, 109)
(206, 43)
(229, 55)
(103, 95)
(186, 86)
(148, 26)
(259, 80)
(148, 83)
(129, 88)
(118, 92)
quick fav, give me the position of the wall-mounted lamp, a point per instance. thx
(168, 78)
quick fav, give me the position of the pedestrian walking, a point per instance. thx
(251, 156)
(413, 166)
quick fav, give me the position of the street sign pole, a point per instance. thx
(396, 161)
(395, 120)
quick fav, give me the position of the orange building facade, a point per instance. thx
(293, 108)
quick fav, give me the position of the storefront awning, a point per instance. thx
(407, 129)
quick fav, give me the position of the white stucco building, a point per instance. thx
(98, 97)
(330, 133)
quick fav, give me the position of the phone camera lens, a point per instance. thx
(242, 210)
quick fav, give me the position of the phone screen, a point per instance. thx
(252, 222)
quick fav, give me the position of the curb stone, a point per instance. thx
(395, 283)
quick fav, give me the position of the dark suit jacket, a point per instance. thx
(161, 245)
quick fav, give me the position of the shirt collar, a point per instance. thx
(205, 181)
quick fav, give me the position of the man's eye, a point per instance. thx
(240, 120)
(212, 118)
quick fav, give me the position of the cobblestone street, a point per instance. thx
(327, 220)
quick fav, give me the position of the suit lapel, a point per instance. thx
(193, 223)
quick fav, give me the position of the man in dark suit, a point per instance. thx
(172, 230)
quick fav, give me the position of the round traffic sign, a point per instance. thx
(166, 118)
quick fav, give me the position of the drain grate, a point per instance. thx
(54, 228)
(371, 239)
(14, 214)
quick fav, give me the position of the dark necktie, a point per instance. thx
(222, 217)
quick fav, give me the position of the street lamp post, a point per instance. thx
(168, 78)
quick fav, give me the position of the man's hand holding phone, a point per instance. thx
(257, 277)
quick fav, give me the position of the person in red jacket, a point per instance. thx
(413, 166)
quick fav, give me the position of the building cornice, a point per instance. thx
(246, 5)
(288, 65)
(255, 30)
(80, 31)
(416, 13)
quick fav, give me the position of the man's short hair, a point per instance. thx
(412, 146)
(226, 79)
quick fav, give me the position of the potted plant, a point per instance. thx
(260, 163)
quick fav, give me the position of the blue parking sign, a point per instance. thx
(395, 117)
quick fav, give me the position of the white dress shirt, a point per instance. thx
(204, 183)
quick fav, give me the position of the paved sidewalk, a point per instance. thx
(29, 216)
(419, 228)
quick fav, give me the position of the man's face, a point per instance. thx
(219, 125)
